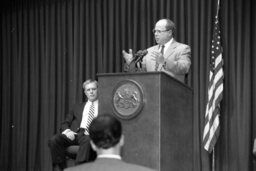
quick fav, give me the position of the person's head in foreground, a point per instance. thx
(106, 135)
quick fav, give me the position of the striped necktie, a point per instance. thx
(90, 118)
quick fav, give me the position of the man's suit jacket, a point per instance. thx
(73, 118)
(177, 60)
(108, 164)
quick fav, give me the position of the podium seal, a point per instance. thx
(127, 99)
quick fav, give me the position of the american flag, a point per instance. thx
(215, 90)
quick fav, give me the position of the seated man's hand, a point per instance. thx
(127, 56)
(70, 134)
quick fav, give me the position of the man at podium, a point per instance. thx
(168, 55)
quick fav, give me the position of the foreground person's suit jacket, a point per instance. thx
(108, 164)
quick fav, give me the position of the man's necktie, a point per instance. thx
(162, 52)
(90, 118)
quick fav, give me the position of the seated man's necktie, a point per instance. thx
(90, 118)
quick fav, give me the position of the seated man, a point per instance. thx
(107, 140)
(74, 129)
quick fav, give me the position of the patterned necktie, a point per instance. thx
(162, 52)
(90, 118)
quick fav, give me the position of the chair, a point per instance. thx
(71, 152)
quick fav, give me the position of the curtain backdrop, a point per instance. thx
(48, 48)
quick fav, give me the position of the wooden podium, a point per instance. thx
(156, 115)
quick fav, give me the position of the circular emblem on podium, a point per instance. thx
(127, 99)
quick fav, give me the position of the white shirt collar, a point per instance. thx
(95, 102)
(113, 156)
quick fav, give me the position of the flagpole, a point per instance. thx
(218, 6)
(213, 151)
(215, 90)
(213, 159)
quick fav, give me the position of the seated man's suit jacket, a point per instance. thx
(73, 118)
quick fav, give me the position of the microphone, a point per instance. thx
(139, 55)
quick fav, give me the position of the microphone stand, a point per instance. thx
(137, 59)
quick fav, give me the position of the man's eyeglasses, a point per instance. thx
(158, 31)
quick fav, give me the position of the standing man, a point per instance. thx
(168, 55)
(74, 129)
(107, 140)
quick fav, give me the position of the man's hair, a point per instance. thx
(105, 131)
(88, 82)
(170, 25)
